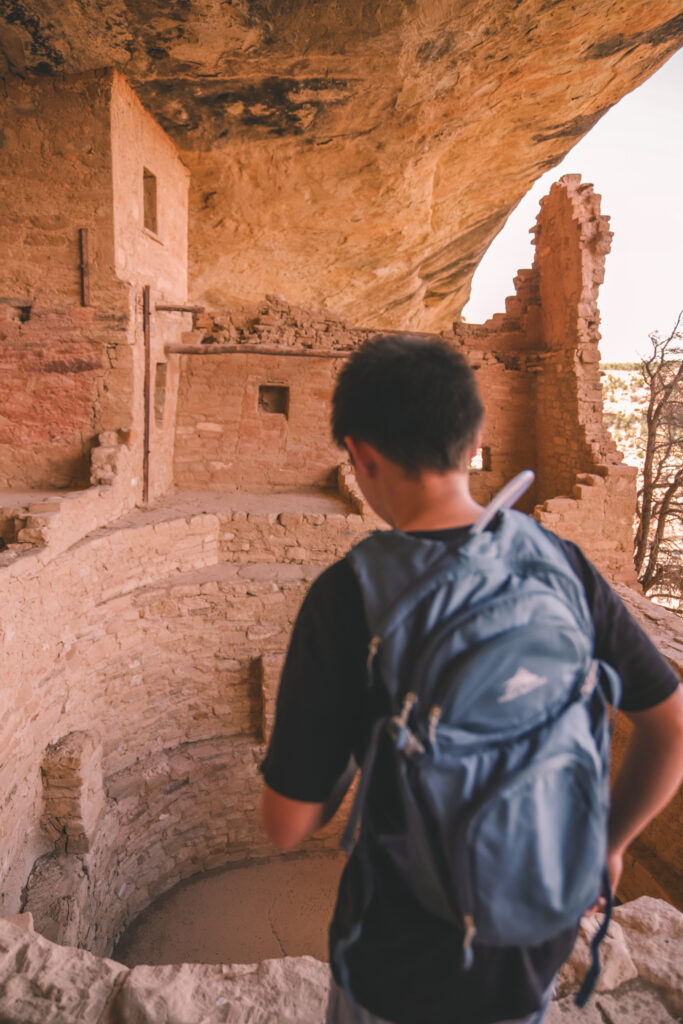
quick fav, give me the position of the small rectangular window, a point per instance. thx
(149, 200)
(273, 398)
(482, 460)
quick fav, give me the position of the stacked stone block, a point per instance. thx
(73, 792)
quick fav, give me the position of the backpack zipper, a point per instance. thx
(469, 826)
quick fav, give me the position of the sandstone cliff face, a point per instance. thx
(359, 155)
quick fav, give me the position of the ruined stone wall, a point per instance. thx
(597, 506)
(508, 394)
(548, 340)
(571, 239)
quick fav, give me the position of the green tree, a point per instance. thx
(659, 536)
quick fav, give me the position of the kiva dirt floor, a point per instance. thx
(281, 907)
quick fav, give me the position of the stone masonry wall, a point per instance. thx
(548, 338)
(162, 666)
(74, 156)
(55, 170)
(55, 354)
(158, 258)
(572, 239)
(225, 439)
(507, 391)
(232, 431)
(62, 368)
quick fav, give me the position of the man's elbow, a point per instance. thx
(662, 723)
(287, 822)
(279, 832)
(282, 839)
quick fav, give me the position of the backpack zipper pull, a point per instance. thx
(373, 647)
(409, 702)
(467, 951)
(434, 716)
(405, 739)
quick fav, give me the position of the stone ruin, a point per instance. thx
(168, 490)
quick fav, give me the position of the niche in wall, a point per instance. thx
(149, 201)
(273, 398)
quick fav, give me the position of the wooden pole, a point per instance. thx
(84, 267)
(147, 332)
(257, 350)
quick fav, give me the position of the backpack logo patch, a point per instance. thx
(521, 683)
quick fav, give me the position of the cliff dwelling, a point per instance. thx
(207, 207)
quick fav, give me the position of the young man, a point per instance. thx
(409, 415)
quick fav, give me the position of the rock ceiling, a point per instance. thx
(358, 154)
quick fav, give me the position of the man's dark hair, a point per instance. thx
(414, 399)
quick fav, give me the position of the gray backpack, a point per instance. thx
(498, 732)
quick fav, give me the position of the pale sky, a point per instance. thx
(634, 159)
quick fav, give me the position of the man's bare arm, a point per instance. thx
(288, 822)
(649, 776)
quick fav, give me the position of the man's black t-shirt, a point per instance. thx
(406, 967)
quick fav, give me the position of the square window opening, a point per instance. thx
(149, 201)
(481, 461)
(273, 398)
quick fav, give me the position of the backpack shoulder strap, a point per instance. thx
(389, 565)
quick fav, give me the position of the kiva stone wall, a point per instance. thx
(160, 679)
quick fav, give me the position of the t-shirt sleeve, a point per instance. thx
(646, 676)
(319, 702)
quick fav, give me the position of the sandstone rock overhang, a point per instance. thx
(360, 155)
